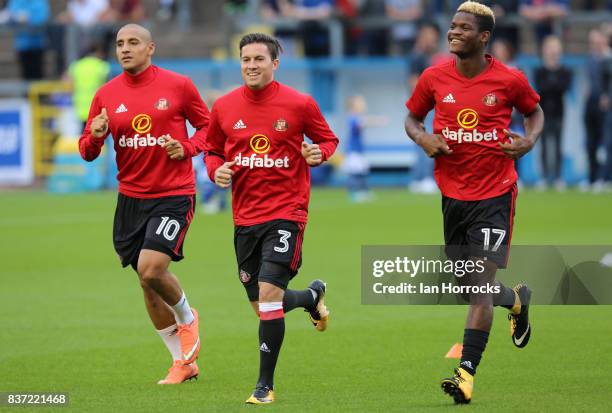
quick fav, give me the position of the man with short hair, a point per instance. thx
(256, 143)
(145, 109)
(473, 96)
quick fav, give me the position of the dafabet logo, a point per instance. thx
(142, 125)
(260, 145)
(468, 119)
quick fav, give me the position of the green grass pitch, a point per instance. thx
(71, 320)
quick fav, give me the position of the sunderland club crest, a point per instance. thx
(281, 125)
(162, 104)
(245, 277)
(490, 99)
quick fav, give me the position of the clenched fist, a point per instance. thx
(517, 147)
(312, 153)
(223, 174)
(99, 124)
(173, 148)
(433, 145)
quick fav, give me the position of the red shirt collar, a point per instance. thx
(143, 78)
(258, 95)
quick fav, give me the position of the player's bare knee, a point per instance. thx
(270, 293)
(150, 272)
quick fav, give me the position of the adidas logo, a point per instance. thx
(239, 125)
(121, 109)
(467, 364)
(264, 348)
(449, 99)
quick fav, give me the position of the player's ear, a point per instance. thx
(151, 48)
(485, 37)
(275, 64)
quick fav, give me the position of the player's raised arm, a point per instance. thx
(96, 131)
(419, 104)
(198, 116)
(316, 128)
(214, 146)
(433, 145)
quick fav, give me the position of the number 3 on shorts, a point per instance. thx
(283, 240)
(170, 227)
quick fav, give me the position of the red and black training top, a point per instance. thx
(471, 115)
(142, 110)
(263, 131)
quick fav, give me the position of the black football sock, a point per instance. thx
(294, 299)
(271, 334)
(505, 297)
(474, 343)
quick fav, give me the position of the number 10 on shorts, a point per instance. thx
(169, 227)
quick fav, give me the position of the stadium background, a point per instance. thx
(73, 321)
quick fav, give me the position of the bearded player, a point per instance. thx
(473, 96)
(256, 143)
(145, 109)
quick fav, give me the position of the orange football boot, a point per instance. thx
(190, 339)
(180, 372)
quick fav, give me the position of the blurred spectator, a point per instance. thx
(167, 10)
(595, 108)
(84, 13)
(552, 81)
(315, 34)
(235, 6)
(276, 9)
(404, 14)
(435, 7)
(346, 11)
(426, 53)
(29, 17)
(117, 13)
(606, 105)
(543, 14)
(592, 5)
(126, 11)
(272, 11)
(503, 50)
(213, 198)
(503, 28)
(86, 76)
(355, 164)
(374, 40)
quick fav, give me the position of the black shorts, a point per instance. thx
(158, 224)
(278, 242)
(479, 228)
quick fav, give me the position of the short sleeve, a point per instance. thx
(422, 99)
(525, 98)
